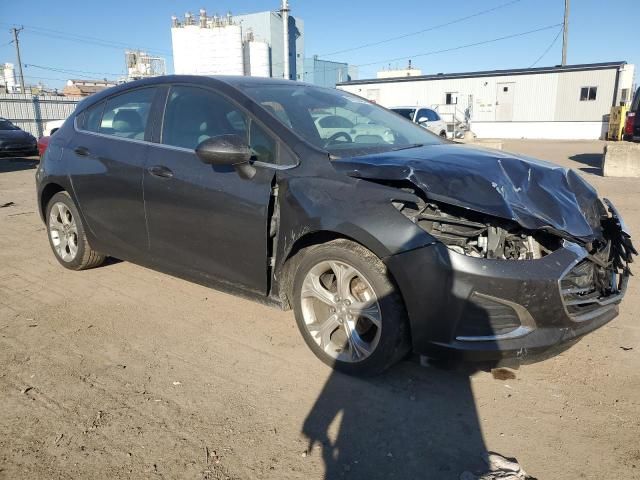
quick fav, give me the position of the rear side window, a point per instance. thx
(636, 101)
(126, 115)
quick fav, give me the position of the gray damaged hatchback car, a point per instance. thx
(383, 239)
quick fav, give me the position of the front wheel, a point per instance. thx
(67, 235)
(348, 310)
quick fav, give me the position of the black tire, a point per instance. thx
(85, 257)
(394, 342)
(443, 134)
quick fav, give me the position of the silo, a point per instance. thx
(258, 59)
(220, 50)
(215, 49)
(9, 75)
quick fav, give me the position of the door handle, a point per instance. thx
(160, 171)
(82, 151)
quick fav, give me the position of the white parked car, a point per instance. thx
(52, 127)
(427, 117)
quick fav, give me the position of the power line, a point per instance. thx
(80, 73)
(460, 47)
(48, 32)
(444, 50)
(555, 39)
(429, 29)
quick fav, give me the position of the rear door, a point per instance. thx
(206, 220)
(107, 156)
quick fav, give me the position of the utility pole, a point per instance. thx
(15, 32)
(285, 31)
(565, 32)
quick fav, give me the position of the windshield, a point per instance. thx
(338, 122)
(7, 125)
(407, 113)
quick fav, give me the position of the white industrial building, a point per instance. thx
(562, 102)
(264, 44)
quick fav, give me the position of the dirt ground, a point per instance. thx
(122, 372)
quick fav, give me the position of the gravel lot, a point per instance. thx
(122, 372)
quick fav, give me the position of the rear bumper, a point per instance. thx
(482, 310)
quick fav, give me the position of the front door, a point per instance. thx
(207, 220)
(504, 102)
(107, 157)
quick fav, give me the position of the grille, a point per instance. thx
(592, 286)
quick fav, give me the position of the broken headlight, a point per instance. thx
(475, 235)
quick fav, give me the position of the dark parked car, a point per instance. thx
(14, 141)
(632, 125)
(380, 244)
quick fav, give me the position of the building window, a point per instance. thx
(451, 98)
(624, 95)
(588, 93)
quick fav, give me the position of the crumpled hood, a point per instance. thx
(533, 193)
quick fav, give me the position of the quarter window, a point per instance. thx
(126, 115)
(588, 94)
(89, 120)
(193, 115)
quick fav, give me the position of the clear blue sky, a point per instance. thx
(599, 31)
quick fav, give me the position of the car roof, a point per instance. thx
(234, 81)
(415, 107)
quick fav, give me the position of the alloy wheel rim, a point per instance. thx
(63, 231)
(341, 311)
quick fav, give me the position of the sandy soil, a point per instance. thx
(122, 372)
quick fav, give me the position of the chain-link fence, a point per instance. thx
(32, 112)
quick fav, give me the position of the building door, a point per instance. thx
(504, 102)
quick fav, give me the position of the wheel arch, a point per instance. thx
(46, 194)
(285, 272)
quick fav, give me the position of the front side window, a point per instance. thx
(126, 115)
(588, 94)
(193, 115)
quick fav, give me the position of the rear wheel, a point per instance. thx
(348, 310)
(443, 134)
(67, 235)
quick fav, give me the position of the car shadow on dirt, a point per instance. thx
(411, 422)
(16, 164)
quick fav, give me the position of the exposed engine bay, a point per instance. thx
(472, 234)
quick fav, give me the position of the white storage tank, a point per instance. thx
(257, 59)
(220, 51)
(210, 46)
(9, 75)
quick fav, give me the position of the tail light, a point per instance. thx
(628, 126)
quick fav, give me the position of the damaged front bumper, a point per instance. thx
(487, 309)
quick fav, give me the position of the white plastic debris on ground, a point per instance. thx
(500, 468)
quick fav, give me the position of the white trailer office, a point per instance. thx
(562, 102)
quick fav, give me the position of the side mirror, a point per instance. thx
(422, 120)
(227, 150)
(224, 150)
